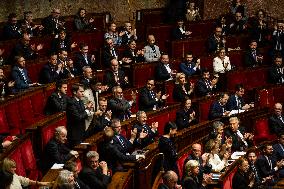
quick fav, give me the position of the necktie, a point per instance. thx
(255, 173)
(121, 141)
(254, 54)
(24, 76)
(281, 119)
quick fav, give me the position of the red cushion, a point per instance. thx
(204, 109)
(28, 156)
(265, 98)
(180, 163)
(38, 103)
(13, 117)
(16, 156)
(234, 78)
(3, 122)
(227, 182)
(26, 112)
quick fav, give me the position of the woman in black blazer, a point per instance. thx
(182, 89)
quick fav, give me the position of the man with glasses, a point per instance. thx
(276, 121)
(150, 99)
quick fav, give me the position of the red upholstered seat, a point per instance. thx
(28, 156)
(38, 104)
(237, 59)
(34, 70)
(256, 78)
(207, 62)
(265, 98)
(204, 107)
(180, 163)
(227, 182)
(234, 78)
(26, 112)
(17, 157)
(47, 133)
(169, 90)
(4, 128)
(261, 131)
(278, 94)
(13, 117)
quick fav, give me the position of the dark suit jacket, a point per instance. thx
(192, 183)
(124, 148)
(182, 119)
(275, 124)
(48, 74)
(161, 73)
(201, 88)
(278, 154)
(237, 27)
(274, 76)
(58, 44)
(107, 57)
(166, 146)
(216, 110)
(22, 50)
(240, 180)
(277, 39)
(80, 62)
(249, 59)
(55, 104)
(187, 68)
(237, 143)
(263, 166)
(50, 26)
(67, 72)
(213, 44)
(10, 33)
(147, 101)
(232, 103)
(178, 93)
(20, 83)
(120, 108)
(76, 116)
(176, 34)
(110, 79)
(115, 157)
(94, 178)
(163, 186)
(55, 152)
(98, 124)
(135, 59)
(150, 137)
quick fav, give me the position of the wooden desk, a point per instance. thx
(51, 175)
(122, 180)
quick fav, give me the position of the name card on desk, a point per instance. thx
(84, 143)
(57, 166)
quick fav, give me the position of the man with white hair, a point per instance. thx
(95, 173)
(56, 150)
(53, 23)
(170, 180)
(276, 121)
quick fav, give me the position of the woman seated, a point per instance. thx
(81, 22)
(182, 89)
(192, 12)
(113, 34)
(221, 63)
(18, 181)
(212, 147)
(191, 180)
(186, 116)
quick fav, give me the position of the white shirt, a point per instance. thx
(216, 163)
(218, 65)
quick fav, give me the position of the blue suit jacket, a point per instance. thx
(232, 103)
(20, 83)
(216, 110)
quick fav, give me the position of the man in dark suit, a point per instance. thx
(20, 75)
(128, 33)
(149, 99)
(236, 101)
(109, 53)
(252, 56)
(53, 23)
(185, 117)
(95, 174)
(278, 152)
(83, 58)
(278, 39)
(241, 140)
(163, 71)
(57, 101)
(238, 26)
(12, 29)
(216, 41)
(179, 32)
(276, 121)
(170, 180)
(119, 106)
(218, 108)
(205, 86)
(76, 114)
(123, 144)
(25, 49)
(62, 42)
(151, 131)
(51, 72)
(115, 76)
(56, 150)
(267, 166)
(251, 156)
(132, 55)
(241, 179)
(276, 71)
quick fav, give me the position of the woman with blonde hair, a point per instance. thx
(19, 182)
(182, 89)
(191, 179)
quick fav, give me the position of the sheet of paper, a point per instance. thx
(57, 166)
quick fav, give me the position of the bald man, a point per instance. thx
(276, 121)
(170, 179)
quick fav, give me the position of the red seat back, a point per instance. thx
(38, 102)
(13, 117)
(204, 108)
(4, 128)
(227, 182)
(26, 112)
(17, 157)
(265, 98)
(180, 163)
(28, 156)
